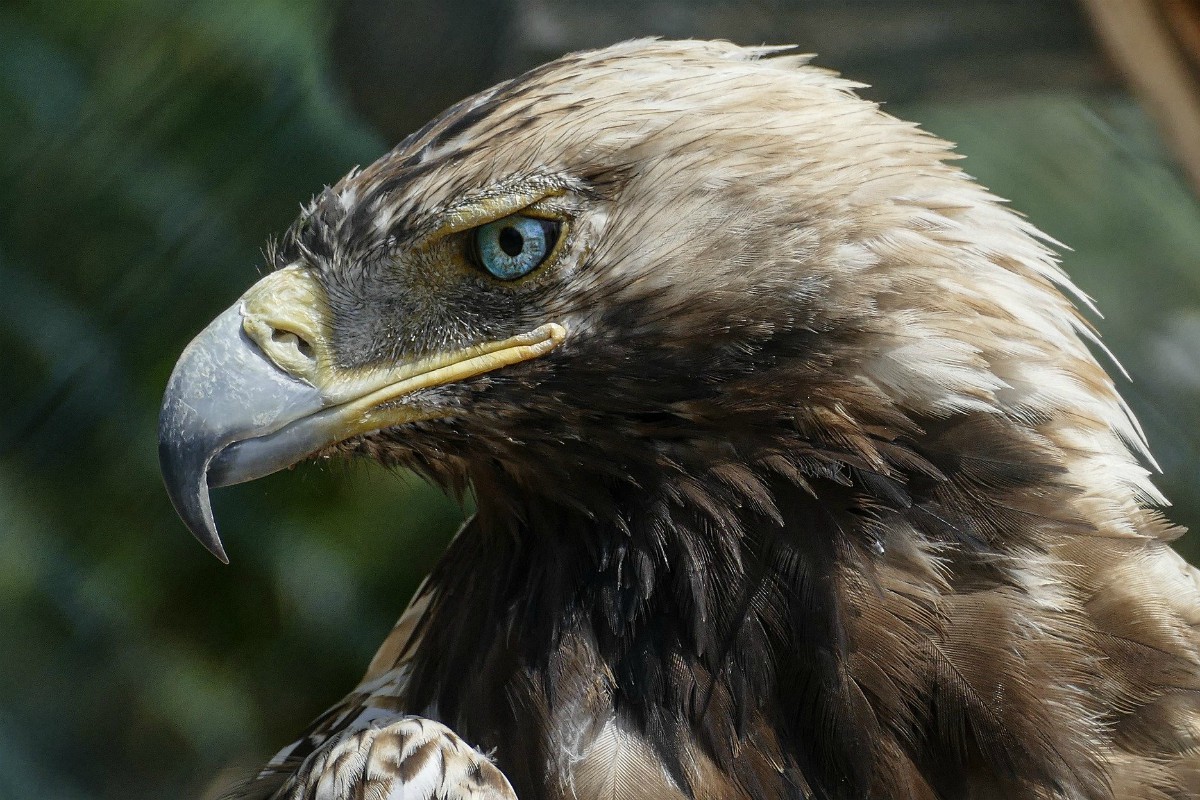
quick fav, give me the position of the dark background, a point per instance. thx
(147, 150)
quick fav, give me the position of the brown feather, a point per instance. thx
(823, 496)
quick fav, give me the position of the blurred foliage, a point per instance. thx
(147, 149)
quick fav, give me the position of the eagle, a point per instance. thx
(796, 475)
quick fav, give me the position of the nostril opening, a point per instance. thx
(286, 338)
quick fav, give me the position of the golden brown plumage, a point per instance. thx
(806, 483)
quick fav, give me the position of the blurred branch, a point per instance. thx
(1156, 45)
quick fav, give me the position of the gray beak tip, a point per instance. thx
(213, 545)
(187, 486)
(208, 537)
(219, 551)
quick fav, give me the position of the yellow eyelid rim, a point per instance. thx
(491, 209)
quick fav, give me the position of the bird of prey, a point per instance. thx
(796, 476)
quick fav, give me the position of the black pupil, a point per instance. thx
(511, 241)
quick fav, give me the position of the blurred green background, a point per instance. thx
(147, 150)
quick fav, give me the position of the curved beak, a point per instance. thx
(259, 390)
(223, 390)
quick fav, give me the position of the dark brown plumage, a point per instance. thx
(795, 477)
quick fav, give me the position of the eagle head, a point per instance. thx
(652, 258)
(762, 401)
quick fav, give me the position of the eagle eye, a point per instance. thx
(514, 246)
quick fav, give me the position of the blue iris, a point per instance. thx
(513, 247)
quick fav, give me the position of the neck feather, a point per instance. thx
(807, 605)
